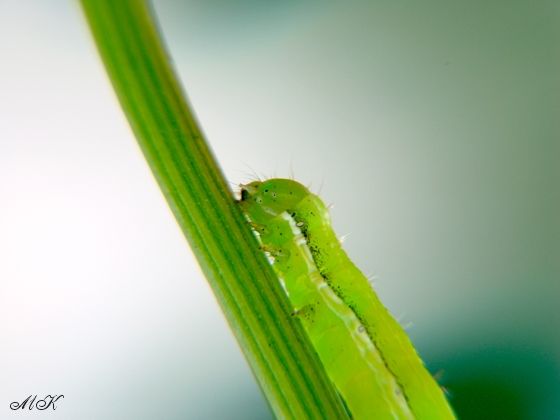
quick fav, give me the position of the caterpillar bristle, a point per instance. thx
(372, 279)
(292, 175)
(320, 190)
(408, 326)
(252, 174)
(438, 376)
(343, 238)
(446, 391)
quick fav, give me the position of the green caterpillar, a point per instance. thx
(365, 352)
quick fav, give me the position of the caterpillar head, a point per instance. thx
(273, 196)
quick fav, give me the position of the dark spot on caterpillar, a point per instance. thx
(244, 195)
(307, 312)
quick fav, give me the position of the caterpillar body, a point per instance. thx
(365, 352)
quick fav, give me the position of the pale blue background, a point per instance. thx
(431, 126)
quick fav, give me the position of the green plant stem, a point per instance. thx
(257, 309)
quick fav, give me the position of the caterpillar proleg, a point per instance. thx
(364, 350)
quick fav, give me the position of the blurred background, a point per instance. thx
(431, 126)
